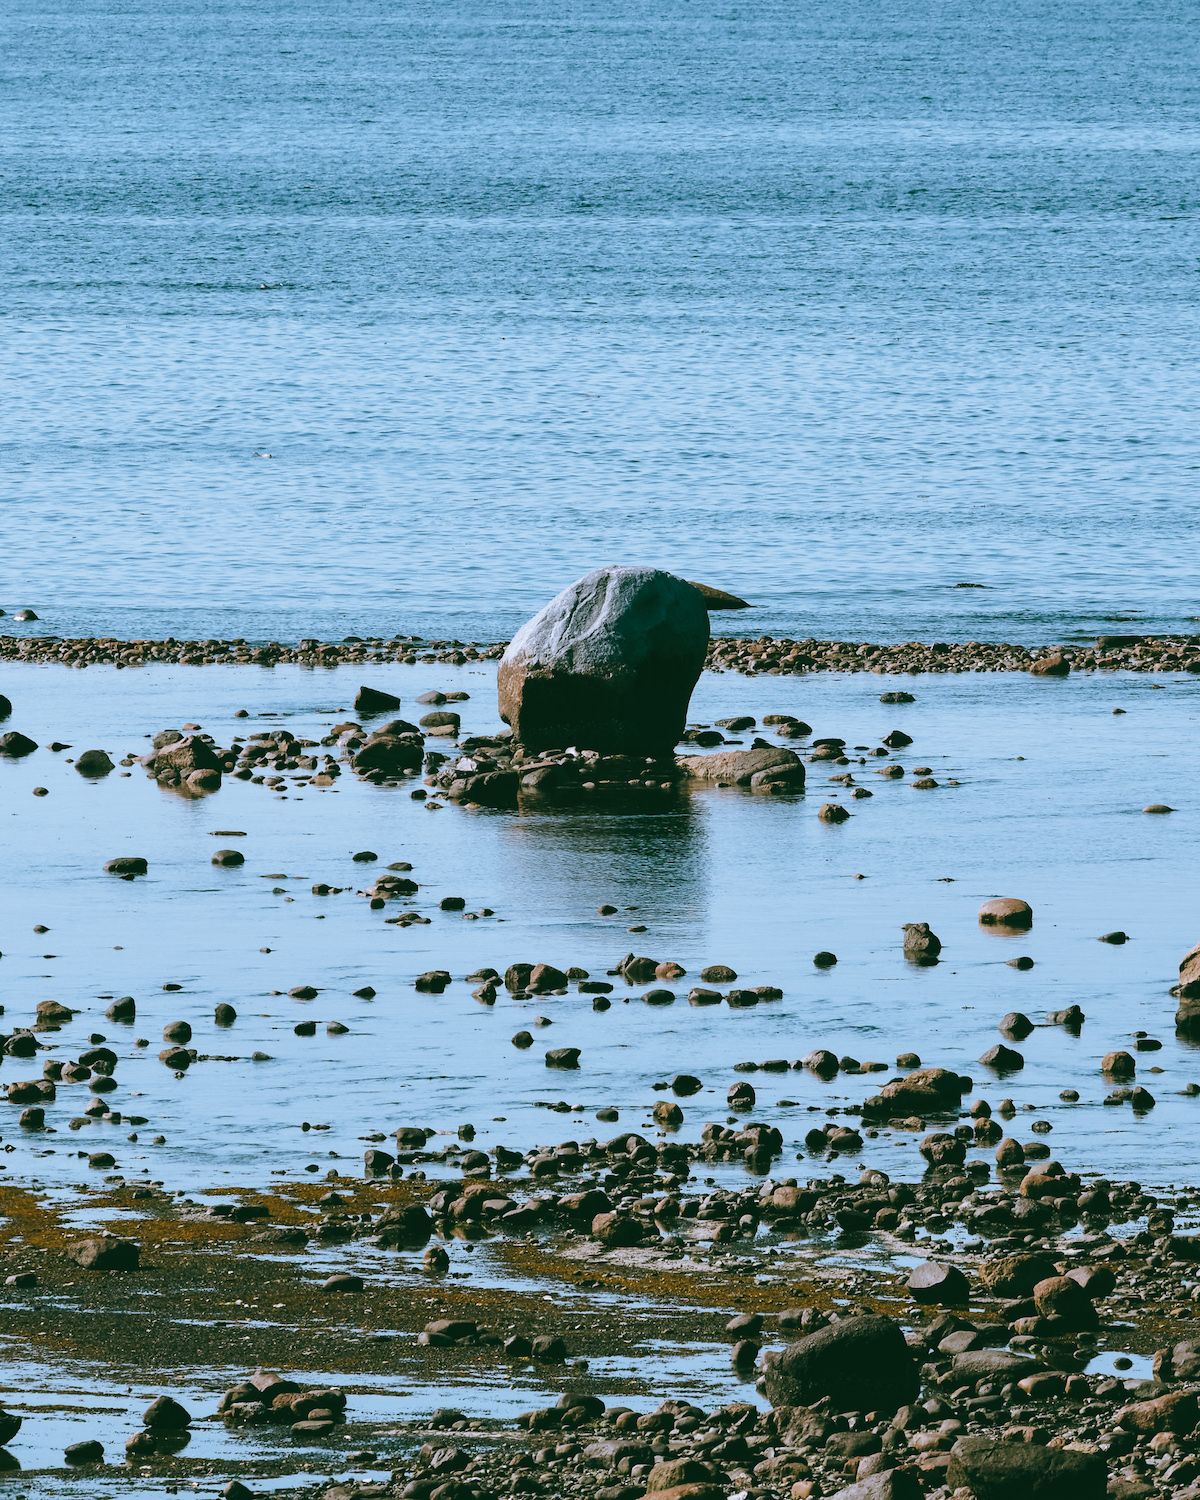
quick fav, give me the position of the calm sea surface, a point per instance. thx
(369, 316)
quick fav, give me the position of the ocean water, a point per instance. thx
(376, 317)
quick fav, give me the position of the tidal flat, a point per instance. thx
(270, 1239)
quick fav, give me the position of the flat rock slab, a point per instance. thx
(772, 765)
(609, 664)
(992, 1470)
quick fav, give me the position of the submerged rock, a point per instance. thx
(609, 664)
(1053, 665)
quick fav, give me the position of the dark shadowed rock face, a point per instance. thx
(860, 1364)
(890, 1484)
(609, 664)
(106, 1252)
(14, 744)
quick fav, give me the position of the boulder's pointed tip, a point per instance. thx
(717, 598)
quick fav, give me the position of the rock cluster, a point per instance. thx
(266, 1397)
(501, 773)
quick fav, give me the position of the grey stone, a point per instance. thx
(769, 765)
(889, 1484)
(608, 665)
(858, 1363)
(933, 1283)
(921, 944)
(991, 1364)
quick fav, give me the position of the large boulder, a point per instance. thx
(1187, 1017)
(1015, 1275)
(371, 700)
(106, 1252)
(993, 1470)
(859, 1364)
(390, 755)
(609, 664)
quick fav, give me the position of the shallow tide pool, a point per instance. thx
(1051, 784)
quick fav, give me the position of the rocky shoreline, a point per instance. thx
(808, 1263)
(764, 654)
(967, 1376)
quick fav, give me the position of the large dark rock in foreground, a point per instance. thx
(608, 665)
(14, 744)
(859, 1364)
(923, 1092)
(993, 1470)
